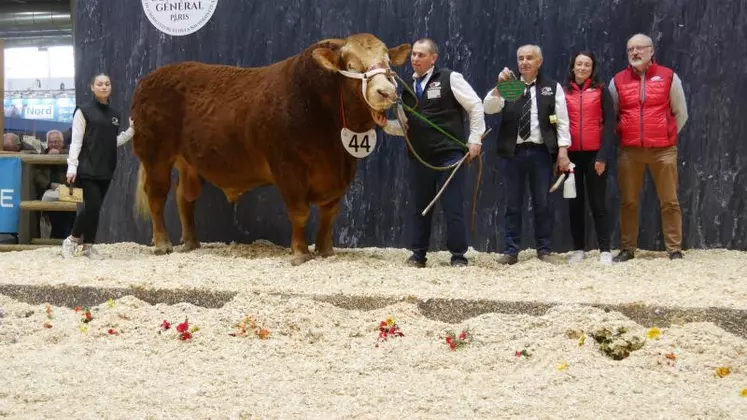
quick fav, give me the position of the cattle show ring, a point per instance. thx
(255, 245)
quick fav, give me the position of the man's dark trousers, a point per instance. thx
(531, 162)
(425, 183)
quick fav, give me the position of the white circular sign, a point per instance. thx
(179, 17)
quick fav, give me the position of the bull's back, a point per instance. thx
(201, 112)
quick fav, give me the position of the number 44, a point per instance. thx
(353, 144)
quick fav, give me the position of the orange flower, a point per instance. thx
(723, 372)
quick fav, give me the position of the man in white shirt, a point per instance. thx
(443, 97)
(533, 136)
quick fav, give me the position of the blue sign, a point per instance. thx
(10, 193)
(47, 109)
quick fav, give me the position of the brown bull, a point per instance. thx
(240, 128)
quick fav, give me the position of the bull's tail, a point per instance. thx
(142, 208)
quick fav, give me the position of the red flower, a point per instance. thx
(449, 340)
(112, 331)
(165, 325)
(185, 335)
(463, 335)
(452, 345)
(77, 309)
(184, 326)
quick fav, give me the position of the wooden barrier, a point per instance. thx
(29, 204)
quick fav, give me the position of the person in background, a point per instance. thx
(592, 121)
(47, 180)
(528, 142)
(651, 112)
(11, 142)
(92, 161)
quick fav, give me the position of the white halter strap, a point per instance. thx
(370, 74)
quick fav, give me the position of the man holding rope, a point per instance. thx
(533, 130)
(436, 135)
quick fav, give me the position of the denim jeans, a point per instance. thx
(531, 162)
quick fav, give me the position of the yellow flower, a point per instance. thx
(110, 303)
(562, 366)
(653, 333)
(723, 372)
(582, 340)
(83, 329)
(744, 392)
(389, 322)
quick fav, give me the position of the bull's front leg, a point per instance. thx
(327, 214)
(299, 215)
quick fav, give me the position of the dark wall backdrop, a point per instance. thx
(704, 41)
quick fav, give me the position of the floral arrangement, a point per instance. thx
(456, 341)
(49, 317)
(184, 332)
(247, 325)
(388, 328)
(87, 317)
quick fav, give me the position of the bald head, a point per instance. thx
(640, 50)
(11, 142)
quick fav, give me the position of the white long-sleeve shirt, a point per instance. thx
(494, 103)
(467, 98)
(79, 127)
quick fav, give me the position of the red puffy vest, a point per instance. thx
(585, 116)
(645, 117)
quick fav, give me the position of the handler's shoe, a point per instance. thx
(577, 256)
(92, 253)
(605, 258)
(68, 248)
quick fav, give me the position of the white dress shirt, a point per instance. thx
(76, 142)
(494, 103)
(464, 94)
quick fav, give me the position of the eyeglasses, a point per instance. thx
(637, 48)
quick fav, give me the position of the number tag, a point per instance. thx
(359, 145)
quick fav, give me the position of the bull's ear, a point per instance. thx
(326, 58)
(399, 54)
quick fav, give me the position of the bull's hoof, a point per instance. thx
(163, 249)
(326, 252)
(190, 245)
(299, 259)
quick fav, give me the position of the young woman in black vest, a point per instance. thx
(92, 161)
(592, 124)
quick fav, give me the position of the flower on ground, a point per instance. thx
(455, 341)
(653, 333)
(388, 328)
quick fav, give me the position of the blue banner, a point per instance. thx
(10, 193)
(47, 109)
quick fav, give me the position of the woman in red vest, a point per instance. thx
(592, 124)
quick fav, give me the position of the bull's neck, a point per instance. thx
(331, 92)
(350, 100)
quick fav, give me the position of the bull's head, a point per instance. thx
(365, 57)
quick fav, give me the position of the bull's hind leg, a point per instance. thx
(157, 185)
(327, 214)
(299, 215)
(187, 191)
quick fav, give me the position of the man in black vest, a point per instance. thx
(533, 135)
(443, 97)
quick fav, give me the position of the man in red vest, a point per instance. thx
(651, 111)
